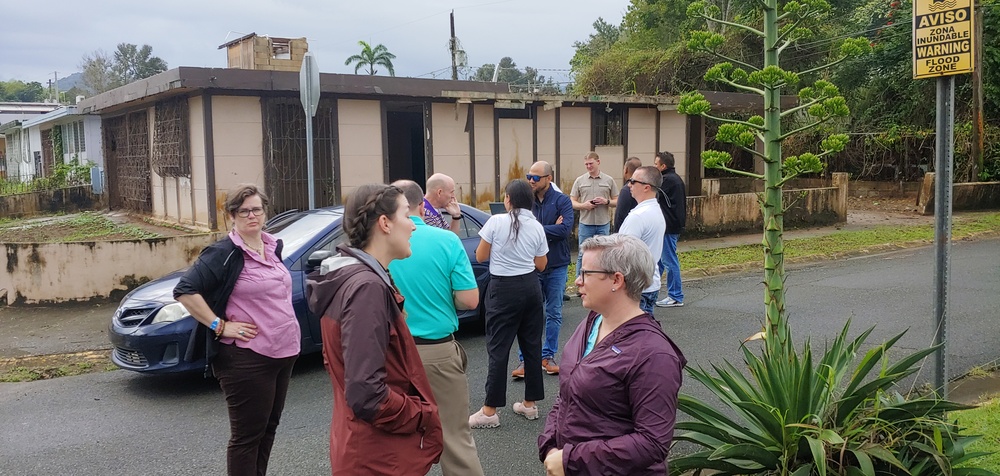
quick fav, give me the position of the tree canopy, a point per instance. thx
(20, 91)
(371, 57)
(650, 52)
(527, 80)
(128, 63)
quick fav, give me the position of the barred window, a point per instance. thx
(171, 151)
(81, 143)
(608, 122)
(68, 139)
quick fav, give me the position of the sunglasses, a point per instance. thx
(534, 178)
(632, 181)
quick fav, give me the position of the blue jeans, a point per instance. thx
(586, 231)
(668, 261)
(553, 283)
(648, 301)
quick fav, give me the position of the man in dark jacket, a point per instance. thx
(675, 213)
(625, 200)
(554, 211)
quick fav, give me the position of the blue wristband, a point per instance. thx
(215, 324)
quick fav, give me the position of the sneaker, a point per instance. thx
(518, 373)
(530, 413)
(550, 366)
(669, 302)
(480, 420)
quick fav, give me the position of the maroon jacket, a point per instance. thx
(617, 406)
(385, 419)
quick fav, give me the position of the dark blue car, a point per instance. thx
(151, 331)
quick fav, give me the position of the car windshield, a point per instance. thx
(301, 230)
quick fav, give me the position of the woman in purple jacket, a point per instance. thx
(620, 372)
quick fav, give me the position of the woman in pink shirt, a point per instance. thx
(242, 292)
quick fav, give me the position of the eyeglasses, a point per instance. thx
(245, 212)
(534, 178)
(632, 181)
(584, 272)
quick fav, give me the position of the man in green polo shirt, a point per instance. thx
(436, 281)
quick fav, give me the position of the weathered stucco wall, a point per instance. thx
(65, 200)
(718, 213)
(964, 196)
(58, 272)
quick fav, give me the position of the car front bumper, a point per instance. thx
(153, 348)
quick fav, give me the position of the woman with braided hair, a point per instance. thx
(385, 419)
(516, 246)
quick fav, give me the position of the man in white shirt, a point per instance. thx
(646, 222)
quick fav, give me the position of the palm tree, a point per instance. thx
(372, 57)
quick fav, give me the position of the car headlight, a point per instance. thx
(170, 313)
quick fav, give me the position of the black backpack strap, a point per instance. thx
(277, 249)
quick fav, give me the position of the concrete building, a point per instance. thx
(31, 144)
(176, 142)
(12, 114)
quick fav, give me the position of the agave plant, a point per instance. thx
(796, 417)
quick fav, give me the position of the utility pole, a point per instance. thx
(453, 46)
(977, 95)
(55, 85)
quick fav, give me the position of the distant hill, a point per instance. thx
(71, 81)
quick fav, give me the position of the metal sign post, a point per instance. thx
(309, 94)
(943, 46)
(943, 155)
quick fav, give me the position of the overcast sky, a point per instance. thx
(40, 38)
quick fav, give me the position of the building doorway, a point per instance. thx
(405, 144)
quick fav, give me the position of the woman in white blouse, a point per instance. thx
(515, 245)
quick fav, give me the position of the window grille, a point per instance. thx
(171, 148)
(608, 126)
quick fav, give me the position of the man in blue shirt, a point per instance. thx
(436, 281)
(554, 211)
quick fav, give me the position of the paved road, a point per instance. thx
(123, 423)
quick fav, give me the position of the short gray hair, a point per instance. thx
(627, 255)
(650, 175)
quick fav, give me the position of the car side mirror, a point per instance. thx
(317, 257)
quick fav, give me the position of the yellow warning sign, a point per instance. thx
(942, 38)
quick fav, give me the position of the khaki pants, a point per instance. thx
(445, 365)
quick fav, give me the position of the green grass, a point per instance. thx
(985, 421)
(30, 374)
(85, 226)
(88, 226)
(837, 243)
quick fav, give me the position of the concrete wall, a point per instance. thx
(516, 149)
(547, 136)
(486, 171)
(574, 144)
(239, 145)
(360, 132)
(641, 135)
(196, 120)
(964, 196)
(59, 272)
(451, 146)
(65, 200)
(717, 213)
(673, 139)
